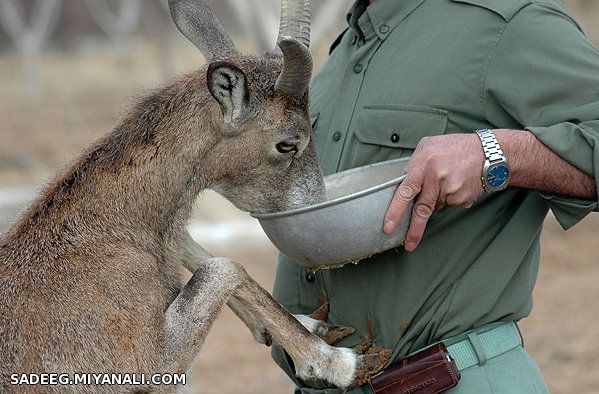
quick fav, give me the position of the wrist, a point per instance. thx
(512, 143)
(496, 169)
(535, 166)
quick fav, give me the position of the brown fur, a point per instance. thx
(89, 274)
(89, 269)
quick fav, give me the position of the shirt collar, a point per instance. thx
(380, 18)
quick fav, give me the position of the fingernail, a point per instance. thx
(410, 245)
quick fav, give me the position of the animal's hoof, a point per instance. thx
(332, 333)
(371, 360)
(321, 313)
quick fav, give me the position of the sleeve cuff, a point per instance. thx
(569, 211)
(569, 142)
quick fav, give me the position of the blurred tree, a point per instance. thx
(117, 25)
(328, 19)
(162, 42)
(30, 38)
(260, 19)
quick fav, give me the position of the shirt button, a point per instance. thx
(384, 28)
(336, 136)
(310, 277)
(395, 138)
(358, 68)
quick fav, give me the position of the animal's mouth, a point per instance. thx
(293, 204)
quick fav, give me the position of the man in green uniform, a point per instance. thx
(418, 77)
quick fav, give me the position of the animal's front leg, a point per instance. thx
(313, 358)
(259, 332)
(193, 256)
(191, 315)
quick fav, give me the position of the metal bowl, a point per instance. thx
(348, 226)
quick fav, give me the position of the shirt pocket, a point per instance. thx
(386, 132)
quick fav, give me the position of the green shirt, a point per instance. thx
(407, 69)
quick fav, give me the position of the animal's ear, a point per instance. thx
(228, 85)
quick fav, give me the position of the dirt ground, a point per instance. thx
(84, 93)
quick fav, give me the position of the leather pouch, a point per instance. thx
(430, 371)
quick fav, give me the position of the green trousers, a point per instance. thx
(513, 372)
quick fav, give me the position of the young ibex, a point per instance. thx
(89, 275)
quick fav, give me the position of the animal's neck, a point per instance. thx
(136, 184)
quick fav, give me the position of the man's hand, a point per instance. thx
(444, 170)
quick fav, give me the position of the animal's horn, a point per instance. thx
(294, 41)
(197, 22)
(295, 21)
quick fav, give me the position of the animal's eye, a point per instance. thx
(284, 147)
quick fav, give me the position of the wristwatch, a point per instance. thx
(496, 171)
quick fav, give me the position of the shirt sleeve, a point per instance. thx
(544, 76)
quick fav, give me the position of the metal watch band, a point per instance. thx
(491, 148)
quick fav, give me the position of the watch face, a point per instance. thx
(498, 175)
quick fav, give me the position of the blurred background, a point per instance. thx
(70, 68)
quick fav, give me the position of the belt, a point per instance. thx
(478, 346)
(432, 369)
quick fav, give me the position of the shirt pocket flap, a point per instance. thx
(397, 126)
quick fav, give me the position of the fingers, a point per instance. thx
(467, 205)
(439, 174)
(422, 211)
(406, 192)
(459, 199)
(441, 203)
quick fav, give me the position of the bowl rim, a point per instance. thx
(338, 200)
